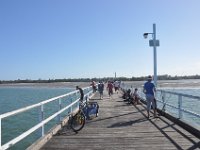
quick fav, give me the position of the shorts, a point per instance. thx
(110, 92)
(150, 100)
(116, 88)
(100, 92)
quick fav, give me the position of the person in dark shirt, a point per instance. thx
(81, 92)
(149, 90)
(100, 89)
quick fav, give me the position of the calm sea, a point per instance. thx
(12, 98)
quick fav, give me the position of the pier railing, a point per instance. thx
(179, 105)
(180, 108)
(72, 105)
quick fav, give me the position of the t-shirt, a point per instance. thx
(116, 84)
(149, 87)
(100, 86)
(110, 86)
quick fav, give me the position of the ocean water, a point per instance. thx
(12, 98)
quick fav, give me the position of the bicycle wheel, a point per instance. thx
(78, 121)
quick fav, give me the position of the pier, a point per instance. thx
(124, 127)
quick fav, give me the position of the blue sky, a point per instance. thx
(56, 39)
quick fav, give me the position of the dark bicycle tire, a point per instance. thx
(78, 121)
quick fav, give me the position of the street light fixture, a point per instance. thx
(146, 35)
(154, 43)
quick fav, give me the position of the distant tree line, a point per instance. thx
(160, 77)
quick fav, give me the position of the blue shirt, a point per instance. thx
(149, 88)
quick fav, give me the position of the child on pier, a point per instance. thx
(136, 97)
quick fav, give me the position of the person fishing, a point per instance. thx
(81, 93)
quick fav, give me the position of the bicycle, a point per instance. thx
(77, 121)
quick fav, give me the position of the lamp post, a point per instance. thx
(154, 43)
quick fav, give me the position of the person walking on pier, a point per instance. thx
(116, 86)
(100, 89)
(149, 90)
(93, 84)
(110, 88)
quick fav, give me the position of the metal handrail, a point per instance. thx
(180, 108)
(8, 114)
(184, 95)
(42, 121)
(180, 96)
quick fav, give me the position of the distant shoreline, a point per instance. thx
(186, 83)
(192, 83)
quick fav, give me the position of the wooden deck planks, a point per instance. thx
(124, 127)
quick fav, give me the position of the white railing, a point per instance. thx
(168, 101)
(163, 95)
(73, 105)
(175, 104)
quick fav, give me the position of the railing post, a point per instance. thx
(90, 93)
(41, 118)
(180, 106)
(71, 106)
(163, 100)
(59, 108)
(76, 95)
(0, 133)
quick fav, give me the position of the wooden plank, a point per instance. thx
(121, 126)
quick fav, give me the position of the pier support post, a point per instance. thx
(180, 113)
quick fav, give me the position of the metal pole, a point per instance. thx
(154, 54)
